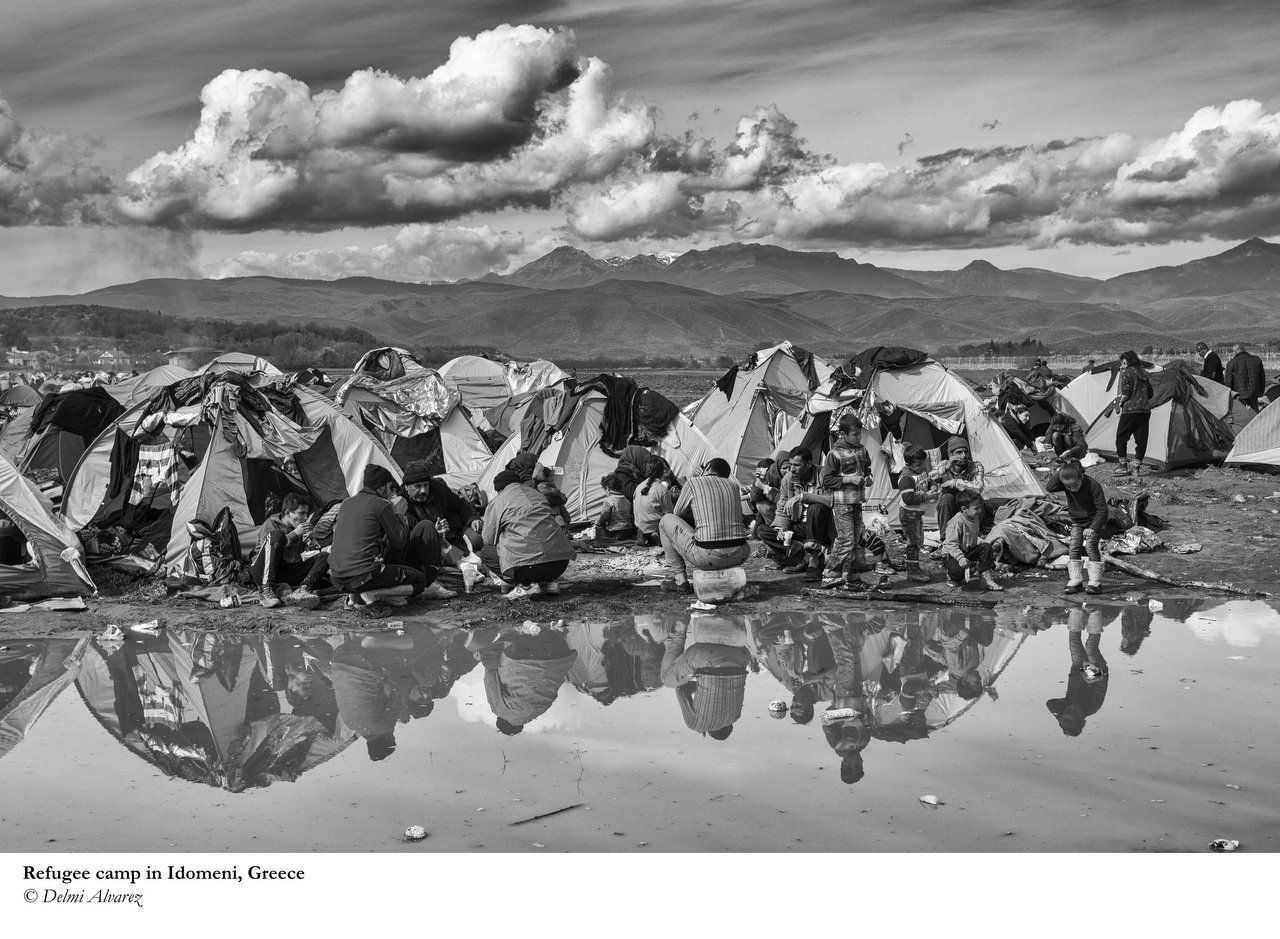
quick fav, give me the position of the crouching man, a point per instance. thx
(277, 565)
(366, 533)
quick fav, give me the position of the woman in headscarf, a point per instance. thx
(522, 534)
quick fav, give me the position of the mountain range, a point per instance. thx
(736, 297)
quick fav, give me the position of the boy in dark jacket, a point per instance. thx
(1087, 506)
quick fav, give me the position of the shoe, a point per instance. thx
(551, 589)
(832, 581)
(522, 592)
(270, 601)
(854, 584)
(1137, 471)
(1075, 577)
(1073, 588)
(798, 568)
(303, 599)
(375, 610)
(677, 586)
(1094, 568)
(989, 579)
(1123, 468)
(437, 592)
(885, 569)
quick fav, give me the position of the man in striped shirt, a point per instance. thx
(705, 529)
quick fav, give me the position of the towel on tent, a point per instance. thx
(157, 468)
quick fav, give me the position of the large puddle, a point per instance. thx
(1094, 727)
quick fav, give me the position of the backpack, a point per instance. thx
(214, 557)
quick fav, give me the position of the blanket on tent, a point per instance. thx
(857, 371)
(632, 414)
(86, 412)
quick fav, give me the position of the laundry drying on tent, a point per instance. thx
(211, 442)
(1194, 420)
(580, 430)
(414, 413)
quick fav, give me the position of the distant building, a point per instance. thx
(114, 361)
(16, 356)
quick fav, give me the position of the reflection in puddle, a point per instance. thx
(244, 712)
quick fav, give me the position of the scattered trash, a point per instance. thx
(1137, 540)
(778, 708)
(112, 633)
(530, 628)
(1192, 548)
(415, 833)
(651, 582)
(150, 628)
(576, 805)
(1092, 673)
(1222, 845)
(230, 601)
(1238, 498)
(837, 714)
(1234, 786)
(1157, 800)
(931, 800)
(702, 607)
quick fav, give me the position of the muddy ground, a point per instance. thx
(1241, 546)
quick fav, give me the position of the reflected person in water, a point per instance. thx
(706, 661)
(846, 722)
(799, 656)
(1087, 680)
(384, 679)
(523, 671)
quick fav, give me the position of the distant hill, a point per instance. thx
(734, 298)
(984, 279)
(724, 269)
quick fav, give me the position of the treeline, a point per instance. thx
(75, 331)
(1009, 347)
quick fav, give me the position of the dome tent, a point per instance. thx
(241, 362)
(238, 439)
(481, 383)
(53, 435)
(20, 396)
(1193, 419)
(1258, 445)
(55, 567)
(575, 450)
(33, 672)
(754, 404)
(411, 410)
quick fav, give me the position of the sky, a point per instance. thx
(434, 141)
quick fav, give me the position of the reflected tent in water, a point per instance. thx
(212, 709)
(33, 672)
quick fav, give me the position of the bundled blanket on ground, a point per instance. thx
(1021, 533)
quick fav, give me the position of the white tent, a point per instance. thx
(768, 395)
(480, 382)
(1258, 445)
(935, 404)
(139, 388)
(575, 455)
(54, 562)
(240, 362)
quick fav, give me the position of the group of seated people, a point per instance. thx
(809, 516)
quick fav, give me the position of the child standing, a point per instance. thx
(917, 495)
(617, 521)
(844, 475)
(963, 548)
(1087, 505)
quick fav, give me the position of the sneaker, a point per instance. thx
(1123, 468)
(522, 592)
(437, 592)
(270, 601)
(551, 589)
(831, 581)
(677, 586)
(855, 584)
(885, 569)
(304, 599)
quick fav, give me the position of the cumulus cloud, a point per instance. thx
(1217, 177)
(416, 254)
(510, 119)
(46, 179)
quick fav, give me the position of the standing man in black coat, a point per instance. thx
(1212, 363)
